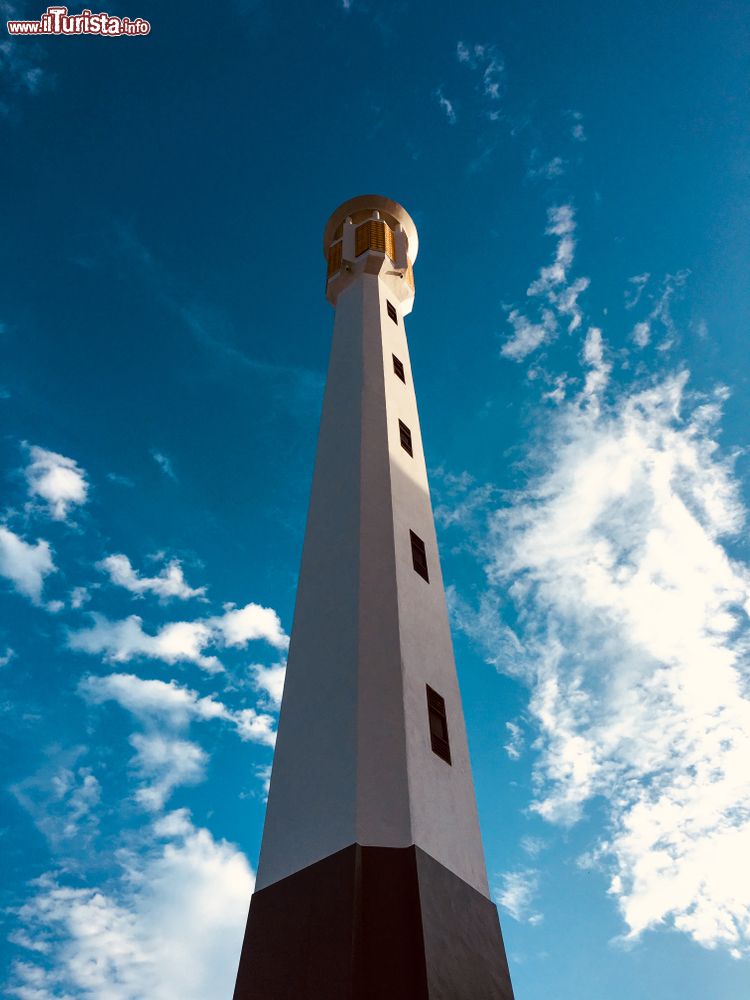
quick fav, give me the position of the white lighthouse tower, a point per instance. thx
(371, 881)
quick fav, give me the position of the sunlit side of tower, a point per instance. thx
(371, 881)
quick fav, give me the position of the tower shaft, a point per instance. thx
(371, 880)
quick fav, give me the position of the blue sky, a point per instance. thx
(579, 176)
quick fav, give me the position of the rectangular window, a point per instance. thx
(392, 312)
(398, 368)
(438, 725)
(419, 556)
(405, 438)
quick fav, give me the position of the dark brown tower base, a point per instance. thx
(373, 923)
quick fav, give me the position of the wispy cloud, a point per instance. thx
(660, 313)
(62, 798)
(489, 68)
(164, 463)
(636, 285)
(56, 480)
(517, 893)
(169, 583)
(635, 640)
(20, 66)
(447, 106)
(557, 296)
(577, 130)
(527, 335)
(547, 170)
(514, 746)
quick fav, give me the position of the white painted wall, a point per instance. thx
(353, 761)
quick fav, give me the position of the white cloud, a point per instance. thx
(7, 656)
(169, 583)
(489, 66)
(642, 333)
(156, 702)
(533, 846)
(255, 727)
(78, 597)
(170, 925)
(152, 699)
(635, 646)
(577, 130)
(517, 894)
(239, 626)
(447, 106)
(120, 480)
(123, 640)
(528, 336)
(58, 480)
(484, 626)
(164, 463)
(566, 302)
(558, 296)
(25, 565)
(164, 762)
(263, 773)
(514, 746)
(599, 369)
(270, 680)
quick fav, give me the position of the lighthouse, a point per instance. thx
(371, 881)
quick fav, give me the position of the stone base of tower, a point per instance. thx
(370, 923)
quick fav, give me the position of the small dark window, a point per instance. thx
(392, 311)
(419, 556)
(398, 368)
(438, 725)
(405, 438)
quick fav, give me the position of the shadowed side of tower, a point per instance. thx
(371, 881)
